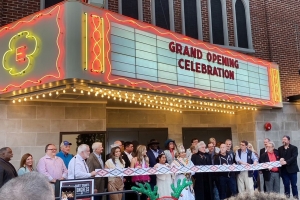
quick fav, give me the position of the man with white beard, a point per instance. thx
(77, 166)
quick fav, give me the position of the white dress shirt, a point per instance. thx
(128, 155)
(78, 168)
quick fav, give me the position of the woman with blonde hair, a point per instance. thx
(26, 164)
(140, 161)
(115, 183)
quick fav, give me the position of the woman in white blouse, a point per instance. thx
(115, 183)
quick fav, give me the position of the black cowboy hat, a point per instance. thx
(153, 141)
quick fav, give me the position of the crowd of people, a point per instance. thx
(206, 186)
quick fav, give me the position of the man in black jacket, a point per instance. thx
(263, 150)
(271, 175)
(288, 159)
(127, 157)
(261, 179)
(7, 170)
(225, 178)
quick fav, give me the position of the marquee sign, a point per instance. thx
(142, 55)
(110, 48)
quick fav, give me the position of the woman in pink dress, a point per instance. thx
(140, 161)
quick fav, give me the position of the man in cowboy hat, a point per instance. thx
(152, 154)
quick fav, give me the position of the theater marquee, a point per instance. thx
(75, 40)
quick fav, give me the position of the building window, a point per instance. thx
(163, 14)
(242, 24)
(49, 3)
(218, 32)
(191, 18)
(131, 8)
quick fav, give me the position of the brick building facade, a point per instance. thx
(275, 31)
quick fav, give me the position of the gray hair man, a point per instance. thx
(94, 162)
(271, 175)
(77, 166)
(30, 186)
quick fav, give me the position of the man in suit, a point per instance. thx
(7, 170)
(127, 156)
(94, 161)
(263, 150)
(262, 184)
(152, 153)
(271, 175)
(288, 159)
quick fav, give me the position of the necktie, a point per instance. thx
(85, 166)
(101, 162)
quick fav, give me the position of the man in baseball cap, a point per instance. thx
(64, 153)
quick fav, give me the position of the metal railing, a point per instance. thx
(105, 194)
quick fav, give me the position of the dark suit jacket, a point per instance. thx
(126, 159)
(263, 150)
(265, 158)
(290, 156)
(152, 159)
(7, 172)
(93, 163)
(152, 162)
(203, 181)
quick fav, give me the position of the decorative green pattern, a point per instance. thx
(146, 189)
(177, 191)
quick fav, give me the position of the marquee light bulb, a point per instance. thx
(89, 93)
(44, 95)
(64, 91)
(57, 92)
(50, 94)
(14, 101)
(25, 99)
(30, 98)
(81, 91)
(37, 96)
(74, 90)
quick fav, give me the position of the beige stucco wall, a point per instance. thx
(27, 127)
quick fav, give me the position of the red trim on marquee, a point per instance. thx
(58, 11)
(109, 17)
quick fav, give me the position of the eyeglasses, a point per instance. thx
(52, 149)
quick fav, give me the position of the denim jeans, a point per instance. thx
(287, 179)
(231, 182)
